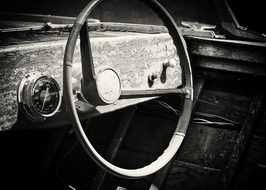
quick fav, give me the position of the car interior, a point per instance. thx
(132, 94)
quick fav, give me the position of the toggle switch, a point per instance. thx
(151, 78)
(169, 63)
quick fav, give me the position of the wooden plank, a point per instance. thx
(160, 176)
(228, 55)
(248, 174)
(242, 140)
(232, 106)
(207, 146)
(225, 99)
(114, 146)
(189, 176)
(229, 65)
(252, 52)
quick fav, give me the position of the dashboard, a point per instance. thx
(31, 70)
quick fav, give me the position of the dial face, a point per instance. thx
(109, 86)
(45, 95)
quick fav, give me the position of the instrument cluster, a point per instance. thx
(39, 96)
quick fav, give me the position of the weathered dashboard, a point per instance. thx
(142, 61)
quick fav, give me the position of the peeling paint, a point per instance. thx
(133, 57)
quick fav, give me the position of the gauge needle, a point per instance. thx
(45, 97)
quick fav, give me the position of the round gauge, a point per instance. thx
(39, 96)
(46, 95)
(108, 85)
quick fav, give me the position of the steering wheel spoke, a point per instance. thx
(86, 54)
(93, 87)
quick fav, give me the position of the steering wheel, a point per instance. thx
(89, 84)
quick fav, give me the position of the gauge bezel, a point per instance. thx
(99, 91)
(26, 94)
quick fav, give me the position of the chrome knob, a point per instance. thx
(169, 63)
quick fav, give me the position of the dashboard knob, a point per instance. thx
(152, 77)
(170, 63)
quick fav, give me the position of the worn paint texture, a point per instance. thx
(133, 57)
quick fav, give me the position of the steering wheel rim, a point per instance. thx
(184, 118)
